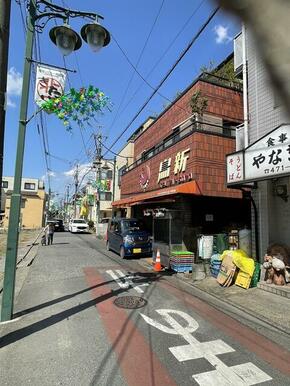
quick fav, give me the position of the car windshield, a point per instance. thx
(133, 225)
(79, 221)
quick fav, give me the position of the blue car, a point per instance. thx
(128, 237)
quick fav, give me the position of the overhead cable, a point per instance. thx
(169, 72)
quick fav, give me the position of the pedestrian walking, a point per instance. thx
(49, 233)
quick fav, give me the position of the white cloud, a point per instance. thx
(14, 85)
(222, 34)
(84, 168)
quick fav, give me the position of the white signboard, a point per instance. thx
(235, 168)
(270, 156)
(50, 83)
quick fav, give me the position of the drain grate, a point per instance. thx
(130, 302)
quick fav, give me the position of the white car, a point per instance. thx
(78, 225)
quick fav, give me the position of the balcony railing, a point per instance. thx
(220, 81)
(189, 127)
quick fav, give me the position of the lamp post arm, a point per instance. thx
(13, 229)
(44, 9)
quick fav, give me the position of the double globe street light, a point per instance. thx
(40, 12)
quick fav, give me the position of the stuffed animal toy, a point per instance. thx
(275, 270)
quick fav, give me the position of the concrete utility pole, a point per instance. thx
(76, 179)
(5, 9)
(98, 163)
(67, 203)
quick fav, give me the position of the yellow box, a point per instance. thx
(243, 280)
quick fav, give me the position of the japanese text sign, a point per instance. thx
(269, 156)
(50, 83)
(235, 167)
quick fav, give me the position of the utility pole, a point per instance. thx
(98, 163)
(67, 203)
(76, 179)
(5, 9)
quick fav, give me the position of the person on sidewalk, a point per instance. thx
(49, 233)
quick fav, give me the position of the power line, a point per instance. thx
(138, 61)
(169, 72)
(155, 65)
(117, 155)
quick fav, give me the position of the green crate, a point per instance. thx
(256, 275)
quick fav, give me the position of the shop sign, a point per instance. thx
(180, 161)
(164, 169)
(269, 157)
(144, 177)
(179, 167)
(102, 185)
(176, 180)
(235, 167)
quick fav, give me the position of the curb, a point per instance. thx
(279, 328)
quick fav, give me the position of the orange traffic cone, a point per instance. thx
(157, 265)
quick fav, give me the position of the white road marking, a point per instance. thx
(124, 285)
(124, 281)
(242, 375)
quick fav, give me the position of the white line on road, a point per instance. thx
(125, 281)
(246, 374)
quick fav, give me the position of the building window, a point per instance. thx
(105, 196)
(29, 186)
(5, 184)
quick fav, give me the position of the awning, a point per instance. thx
(186, 188)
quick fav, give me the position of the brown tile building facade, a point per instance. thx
(180, 161)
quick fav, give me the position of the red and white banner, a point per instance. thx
(50, 83)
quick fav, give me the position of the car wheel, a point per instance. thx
(108, 246)
(122, 253)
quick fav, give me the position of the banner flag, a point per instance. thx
(49, 84)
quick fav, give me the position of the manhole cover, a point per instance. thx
(130, 302)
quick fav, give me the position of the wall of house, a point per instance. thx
(32, 210)
(265, 114)
(127, 151)
(222, 102)
(206, 162)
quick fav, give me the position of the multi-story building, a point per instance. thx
(33, 199)
(264, 155)
(179, 166)
(124, 160)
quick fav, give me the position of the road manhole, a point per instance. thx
(130, 302)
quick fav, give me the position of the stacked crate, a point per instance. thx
(181, 261)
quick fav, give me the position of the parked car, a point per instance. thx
(128, 237)
(78, 225)
(58, 224)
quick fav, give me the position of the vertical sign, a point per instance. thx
(235, 168)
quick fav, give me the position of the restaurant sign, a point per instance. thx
(179, 169)
(269, 157)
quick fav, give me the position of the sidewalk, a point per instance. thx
(265, 306)
(26, 253)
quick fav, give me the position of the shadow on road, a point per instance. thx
(21, 333)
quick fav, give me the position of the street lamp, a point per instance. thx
(39, 13)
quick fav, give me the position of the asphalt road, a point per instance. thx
(70, 332)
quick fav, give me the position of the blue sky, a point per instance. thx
(129, 22)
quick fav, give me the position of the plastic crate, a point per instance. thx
(181, 268)
(243, 280)
(256, 275)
